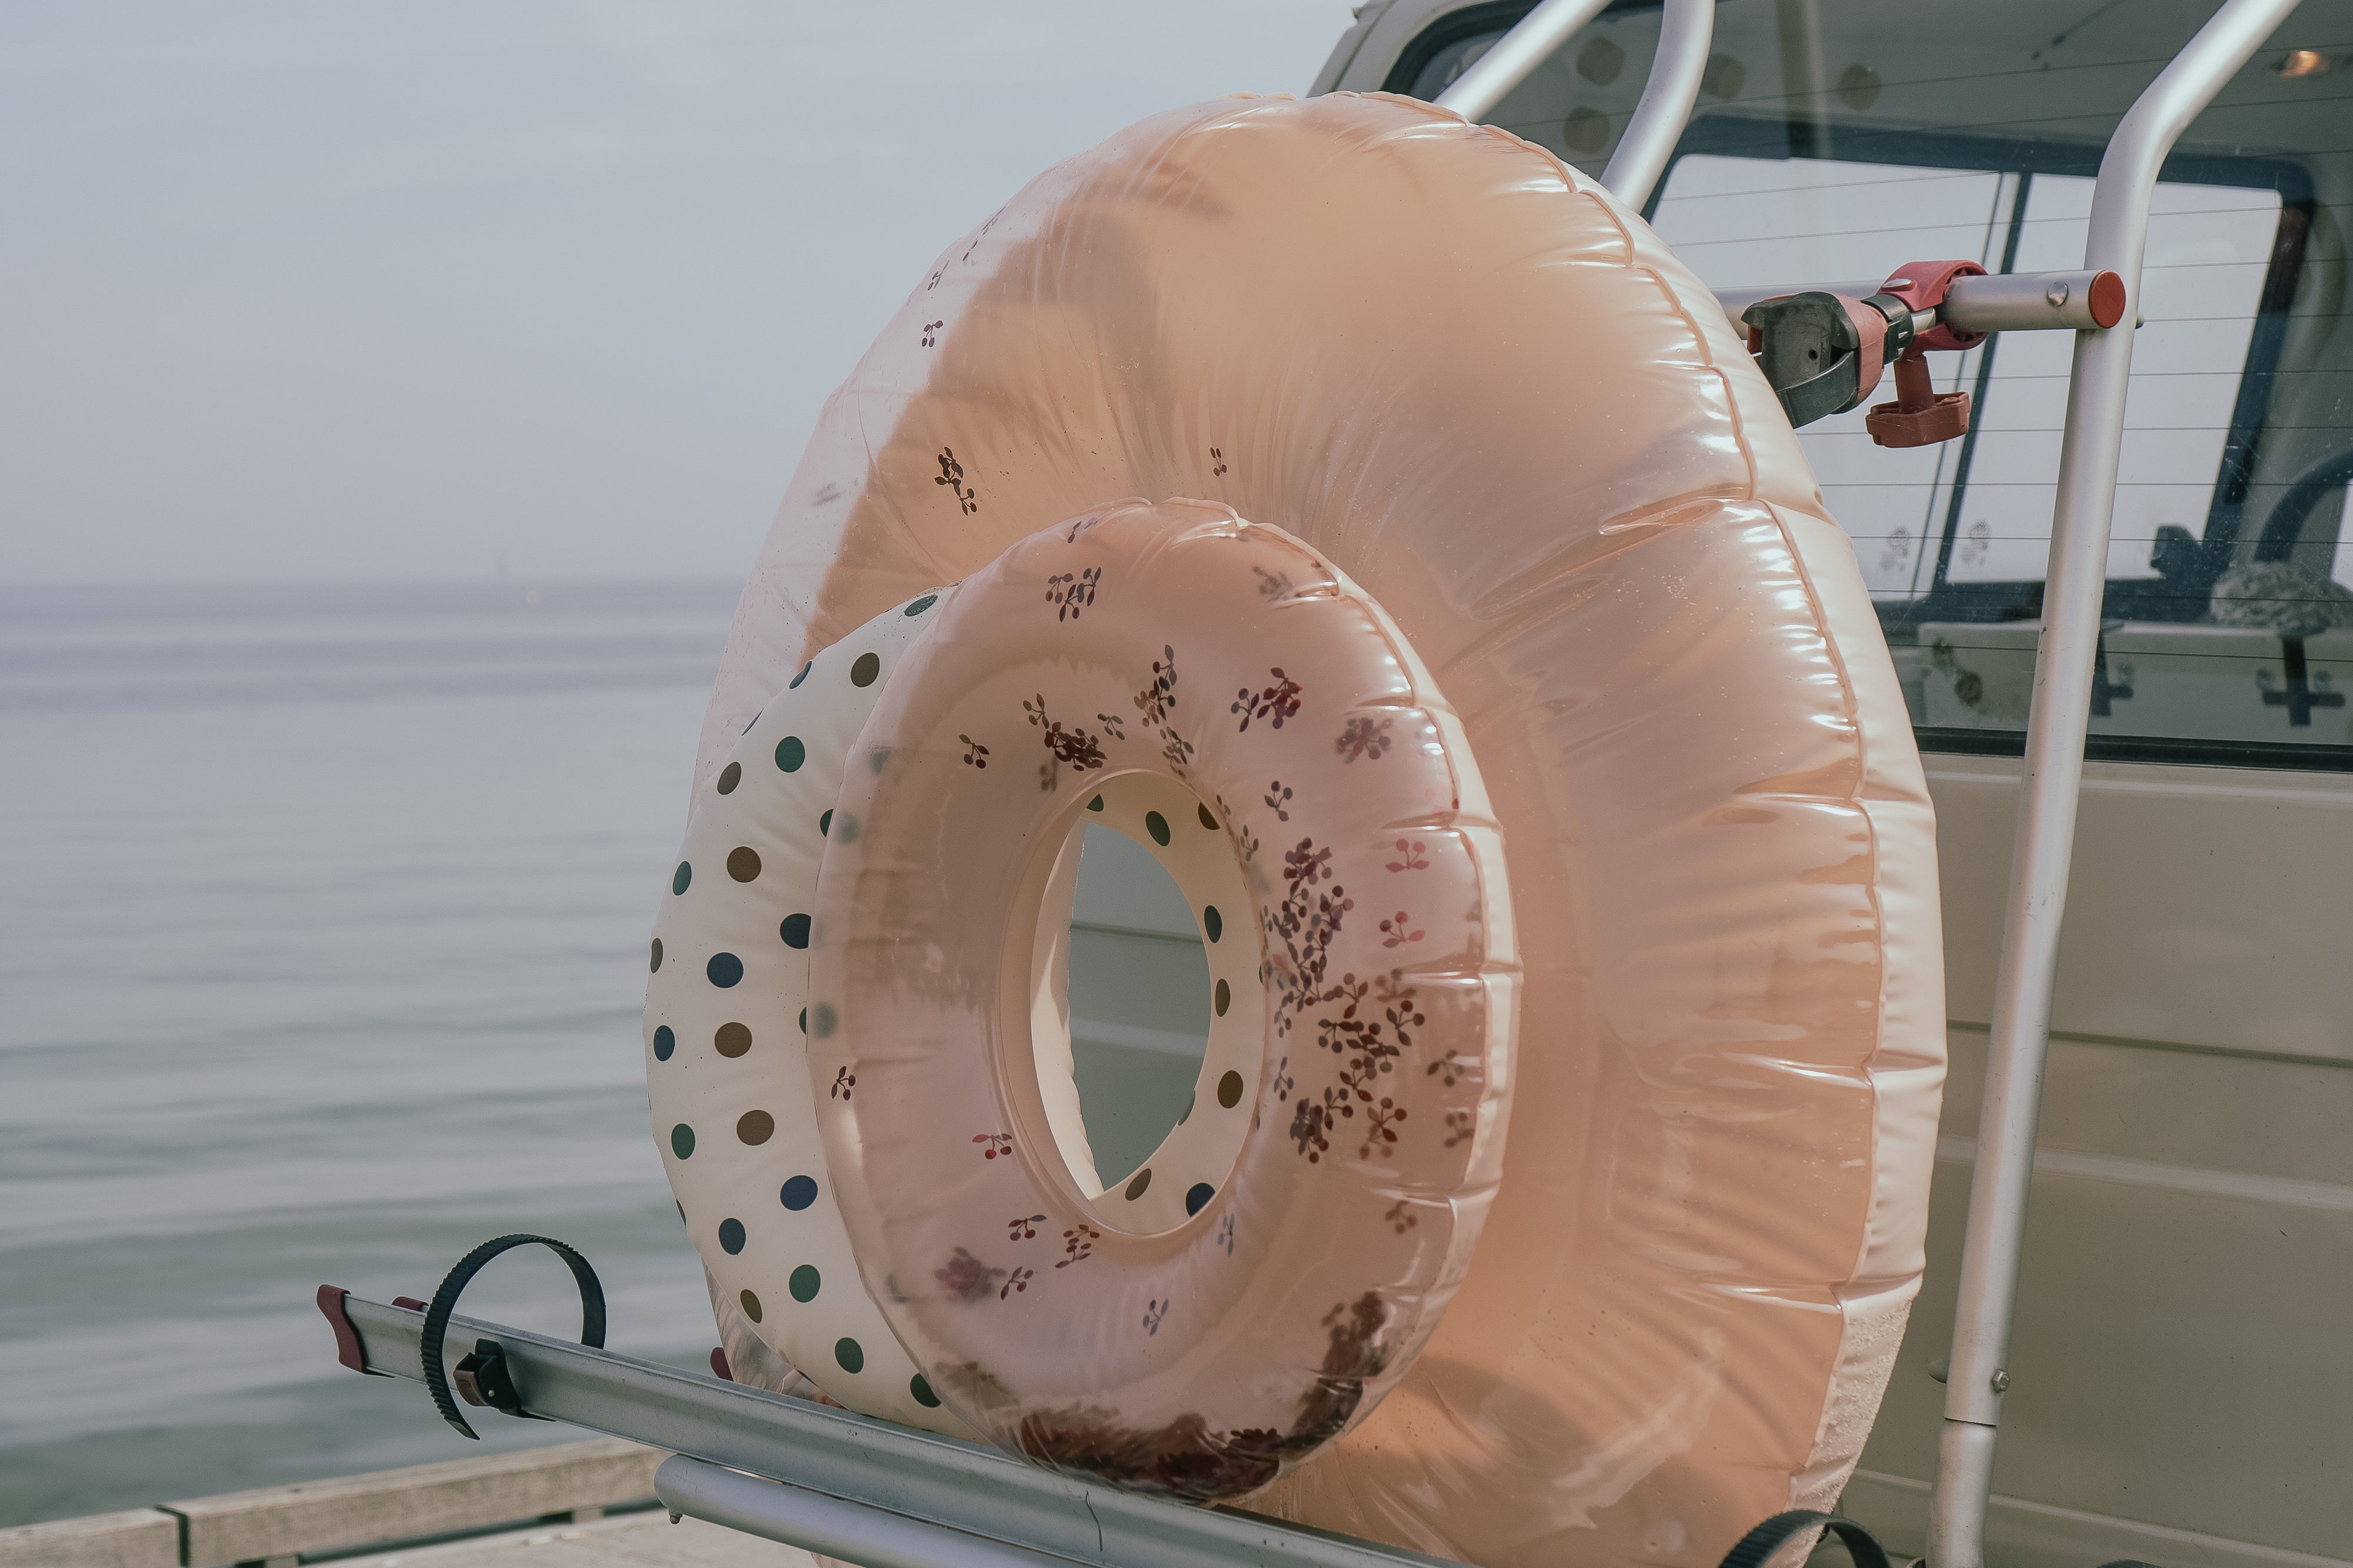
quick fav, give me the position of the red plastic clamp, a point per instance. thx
(1922, 285)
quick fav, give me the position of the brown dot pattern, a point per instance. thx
(732, 1040)
(755, 1127)
(743, 863)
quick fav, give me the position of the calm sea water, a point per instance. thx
(323, 918)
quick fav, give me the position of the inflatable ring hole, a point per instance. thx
(1147, 1020)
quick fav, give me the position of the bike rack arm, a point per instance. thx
(1686, 28)
(849, 1486)
(2052, 778)
(2001, 303)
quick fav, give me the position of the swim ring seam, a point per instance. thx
(1837, 656)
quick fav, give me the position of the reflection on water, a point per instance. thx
(322, 942)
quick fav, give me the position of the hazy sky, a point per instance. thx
(398, 291)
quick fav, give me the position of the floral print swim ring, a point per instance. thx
(1461, 372)
(1257, 1285)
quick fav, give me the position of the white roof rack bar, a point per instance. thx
(1515, 56)
(2054, 774)
(1686, 30)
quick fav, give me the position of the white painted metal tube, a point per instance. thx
(2052, 779)
(1686, 31)
(2005, 302)
(1477, 91)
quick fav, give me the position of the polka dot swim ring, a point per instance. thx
(1266, 1276)
(1459, 371)
(725, 1010)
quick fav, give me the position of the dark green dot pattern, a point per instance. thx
(680, 877)
(665, 1042)
(731, 1237)
(921, 1389)
(791, 754)
(795, 930)
(1157, 826)
(681, 1140)
(804, 1283)
(849, 1355)
(1212, 922)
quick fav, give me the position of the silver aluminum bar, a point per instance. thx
(2054, 774)
(2003, 302)
(894, 1493)
(2021, 301)
(1686, 30)
(814, 1522)
(1515, 56)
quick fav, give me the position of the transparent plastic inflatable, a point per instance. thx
(726, 1045)
(1460, 372)
(1264, 1278)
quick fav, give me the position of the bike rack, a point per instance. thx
(820, 1477)
(2066, 652)
(889, 1496)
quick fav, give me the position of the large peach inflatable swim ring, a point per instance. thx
(1460, 372)
(1255, 1287)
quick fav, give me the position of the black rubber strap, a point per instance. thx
(445, 1301)
(1759, 1545)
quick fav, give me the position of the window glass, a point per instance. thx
(1826, 147)
(1953, 539)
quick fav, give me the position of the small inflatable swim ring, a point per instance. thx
(727, 1011)
(1457, 370)
(1259, 1283)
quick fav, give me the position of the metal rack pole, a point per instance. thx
(2052, 777)
(1515, 56)
(849, 1486)
(1686, 31)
